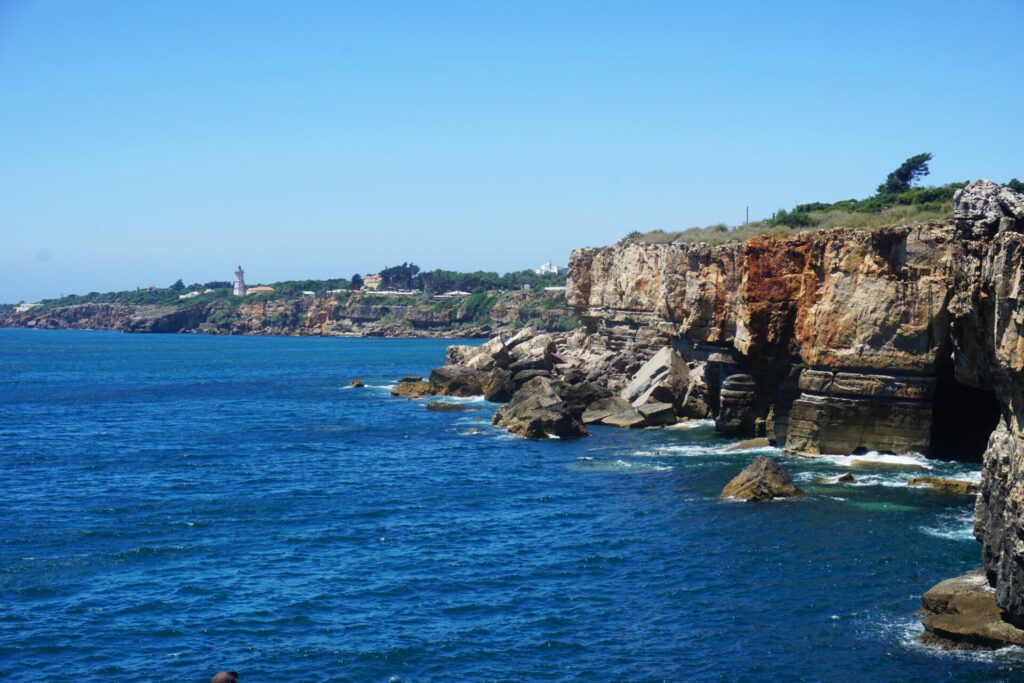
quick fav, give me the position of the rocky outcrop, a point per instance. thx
(961, 613)
(904, 339)
(762, 480)
(351, 314)
(945, 485)
(536, 411)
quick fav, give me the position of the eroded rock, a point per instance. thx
(762, 480)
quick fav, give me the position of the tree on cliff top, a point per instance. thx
(910, 170)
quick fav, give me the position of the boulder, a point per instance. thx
(442, 407)
(459, 354)
(657, 414)
(581, 395)
(946, 485)
(498, 386)
(665, 378)
(845, 478)
(612, 410)
(457, 380)
(357, 384)
(519, 337)
(984, 208)
(761, 480)
(413, 389)
(534, 353)
(524, 376)
(411, 378)
(961, 613)
(536, 411)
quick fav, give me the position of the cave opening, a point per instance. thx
(963, 418)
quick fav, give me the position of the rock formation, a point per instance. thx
(905, 339)
(762, 480)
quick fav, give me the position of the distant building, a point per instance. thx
(189, 295)
(550, 269)
(21, 308)
(239, 288)
(308, 293)
(372, 282)
(554, 289)
(262, 289)
(454, 294)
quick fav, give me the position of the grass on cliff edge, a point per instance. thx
(823, 220)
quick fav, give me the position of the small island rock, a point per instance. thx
(762, 480)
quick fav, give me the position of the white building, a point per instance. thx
(550, 269)
(239, 288)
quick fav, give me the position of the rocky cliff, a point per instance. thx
(904, 339)
(353, 315)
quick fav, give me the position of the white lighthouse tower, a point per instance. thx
(239, 289)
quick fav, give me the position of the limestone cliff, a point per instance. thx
(903, 339)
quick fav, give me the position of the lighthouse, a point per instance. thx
(239, 289)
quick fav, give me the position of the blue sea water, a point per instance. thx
(176, 505)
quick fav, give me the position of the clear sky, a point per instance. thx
(141, 142)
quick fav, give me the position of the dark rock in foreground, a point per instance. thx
(357, 384)
(762, 480)
(961, 613)
(536, 411)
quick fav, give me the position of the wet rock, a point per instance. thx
(498, 386)
(945, 485)
(749, 444)
(411, 378)
(762, 480)
(457, 380)
(443, 407)
(536, 411)
(845, 478)
(357, 384)
(961, 613)
(413, 389)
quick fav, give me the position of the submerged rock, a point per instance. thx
(749, 444)
(945, 485)
(762, 480)
(961, 613)
(536, 411)
(442, 407)
(845, 478)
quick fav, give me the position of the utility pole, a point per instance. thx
(748, 214)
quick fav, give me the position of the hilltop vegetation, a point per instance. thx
(406, 276)
(896, 202)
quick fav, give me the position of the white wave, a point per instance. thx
(730, 450)
(913, 460)
(689, 451)
(389, 387)
(692, 424)
(459, 399)
(958, 526)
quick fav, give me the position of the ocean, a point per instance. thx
(174, 505)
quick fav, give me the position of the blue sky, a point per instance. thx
(147, 141)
